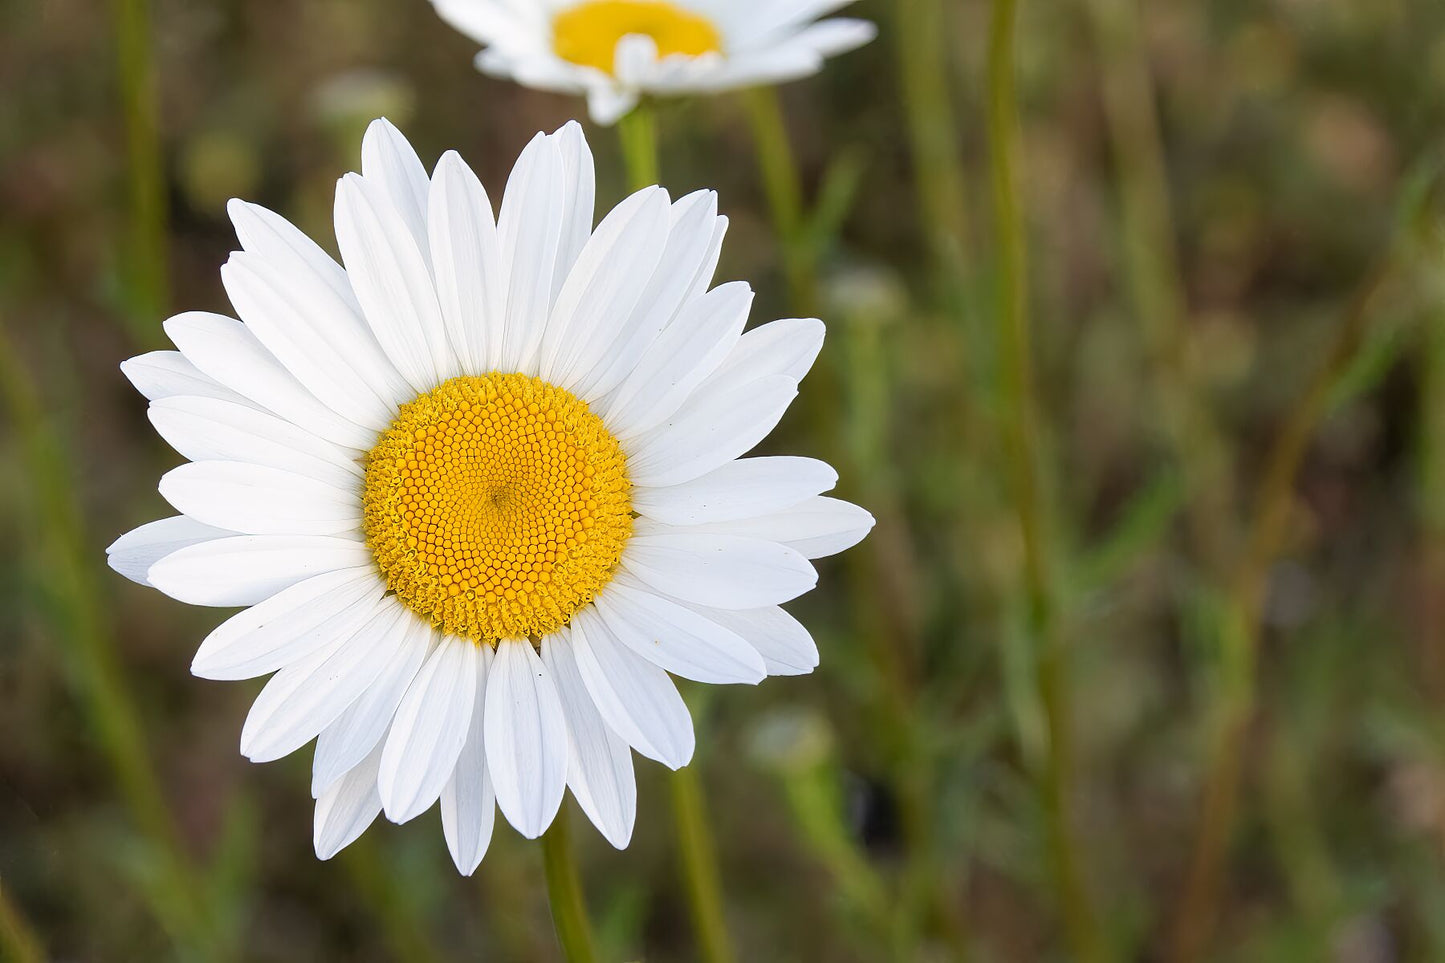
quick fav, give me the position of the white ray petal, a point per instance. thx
(133, 554)
(429, 730)
(358, 730)
(599, 768)
(526, 738)
(715, 426)
(257, 500)
(469, 805)
(247, 569)
(290, 625)
(636, 698)
(723, 571)
(347, 809)
(309, 695)
(677, 638)
(745, 488)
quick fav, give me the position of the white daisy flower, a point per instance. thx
(480, 491)
(615, 51)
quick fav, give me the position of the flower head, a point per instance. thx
(479, 491)
(616, 51)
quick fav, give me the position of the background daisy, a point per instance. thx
(617, 51)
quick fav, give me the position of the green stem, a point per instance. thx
(1155, 278)
(1021, 435)
(783, 184)
(637, 133)
(698, 854)
(922, 37)
(90, 649)
(1239, 640)
(145, 268)
(17, 939)
(564, 891)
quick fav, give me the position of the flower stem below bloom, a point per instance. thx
(638, 135)
(564, 892)
(699, 864)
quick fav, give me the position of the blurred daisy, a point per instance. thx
(615, 51)
(479, 491)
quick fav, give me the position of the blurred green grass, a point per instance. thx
(1294, 138)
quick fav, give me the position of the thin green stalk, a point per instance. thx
(1239, 642)
(697, 850)
(18, 942)
(1430, 491)
(922, 42)
(145, 281)
(564, 891)
(1156, 280)
(1021, 434)
(784, 188)
(91, 663)
(637, 133)
(698, 854)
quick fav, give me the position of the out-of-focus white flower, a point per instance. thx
(616, 51)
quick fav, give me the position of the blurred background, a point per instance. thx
(1199, 717)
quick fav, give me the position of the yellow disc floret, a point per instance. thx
(497, 506)
(588, 33)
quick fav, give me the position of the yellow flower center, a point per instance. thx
(588, 33)
(497, 506)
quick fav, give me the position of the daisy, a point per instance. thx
(615, 51)
(480, 491)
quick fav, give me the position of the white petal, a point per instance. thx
(817, 528)
(133, 554)
(603, 289)
(678, 361)
(580, 202)
(389, 161)
(526, 738)
(207, 429)
(246, 569)
(256, 500)
(712, 428)
(636, 698)
(788, 348)
(466, 261)
(227, 352)
(309, 695)
(530, 228)
(273, 237)
(392, 283)
(599, 768)
(165, 374)
(345, 810)
(429, 730)
(724, 571)
(677, 638)
(686, 255)
(290, 625)
(359, 730)
(326, 313)
(783, 641)
(293, 324)
(744, 488)
(469, 806)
